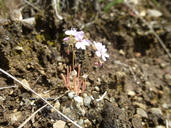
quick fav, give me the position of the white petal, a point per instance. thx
(98, 53)
(86, 42)
(104, 50)
(71, 32)
(79, 36)
(103, 57)
(77, 45)
(106, 55)
(83, 47)
(68, 32)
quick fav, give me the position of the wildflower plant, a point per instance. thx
(76, 41)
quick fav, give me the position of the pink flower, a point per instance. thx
(101, 50)
(72, 32)
(81, 43)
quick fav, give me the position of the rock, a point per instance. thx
(60, 68)
(156, 111)
(142, 113)
(121, 52)
(27, 86)
(79, 105)
(16, 116)
(167, 76)
(66, 111)
(164, 105)
(71, 94)
(163, 65)
(143, 106)
(84, 94)
(64, 98)
(136, 122)
(87, 101)
(97, 88)
(137, 54)
(169, 123)
(19, 49)
(59, 124)
(87, 123)
(80, 122)
(2, 99)
(57, 105)
(78, 99)
(131, 93)
(160, 126)
(59, 58)
(154, 13)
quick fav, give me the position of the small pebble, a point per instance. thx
(57, 105)
(59, 124)
(26, 84)
(87, 101)
(121, 52)
(143, 106)
(80, 122)
(96, 88)
(59, 58)
(167, 76)
(160, 126)
(84, 94)
(71, 94)
(142, 113)
(137, 54)
(165, 106)
(87, 123)
(15, 116)
(60, 67)
(64, 98)
(78, 99)
(2, 98)
(156, 111)
(163, 65)
(131, 93)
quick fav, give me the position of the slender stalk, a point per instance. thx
(84, 85)
(75, 84)
(73, 57)
(64, 79)
(69, 82)
(68, 77)
(78, 82)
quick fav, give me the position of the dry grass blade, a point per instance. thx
(37, 112)
(32, 5)
(40, 97)
(22, 125)
(8, 87)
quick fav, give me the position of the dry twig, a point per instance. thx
(8, 87)
(21, 125)
(40, 98)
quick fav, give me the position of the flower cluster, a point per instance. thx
(77, 40)
(81, 42)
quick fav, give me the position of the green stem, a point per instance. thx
(73, 57)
